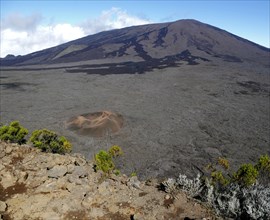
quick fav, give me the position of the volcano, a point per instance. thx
(174, 96)
(142, 48)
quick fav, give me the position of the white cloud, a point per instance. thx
(25, 34)
(114, 18)
(23, 42)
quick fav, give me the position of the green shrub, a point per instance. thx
(263, 167)
(49, 141)
(13, 132)
(133, 174)
(217, 177)
(117, 172)
(263, 163)
(246, 175)
(218, 172)
(115, 151)
(104, 162)
(223, 162)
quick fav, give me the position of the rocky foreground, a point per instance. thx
(36, 185)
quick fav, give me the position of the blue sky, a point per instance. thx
(27, 26)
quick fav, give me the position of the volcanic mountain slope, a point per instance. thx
(152, 45)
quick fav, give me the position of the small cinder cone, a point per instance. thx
(96, 124)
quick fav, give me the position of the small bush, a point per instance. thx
(224, 163)
(263, 163)
(133, 174)
(246, 175)
(13, 132)
(104, 162)
(263, 167)
(217, 177)
(115, 151)
(117, 172)
(218, 173)
(49, 141)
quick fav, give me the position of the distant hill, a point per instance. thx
(153, 45)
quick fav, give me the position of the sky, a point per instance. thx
(29, 26)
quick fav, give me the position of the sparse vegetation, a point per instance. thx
(245, 176)
(49, 141)
(13, 132)
(244, 193)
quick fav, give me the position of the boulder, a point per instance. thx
(3, 206)
(57, 171)
(134, 182)
(8, 180)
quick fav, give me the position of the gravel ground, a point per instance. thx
(175, 119)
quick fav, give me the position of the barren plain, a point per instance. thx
(176, 119)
